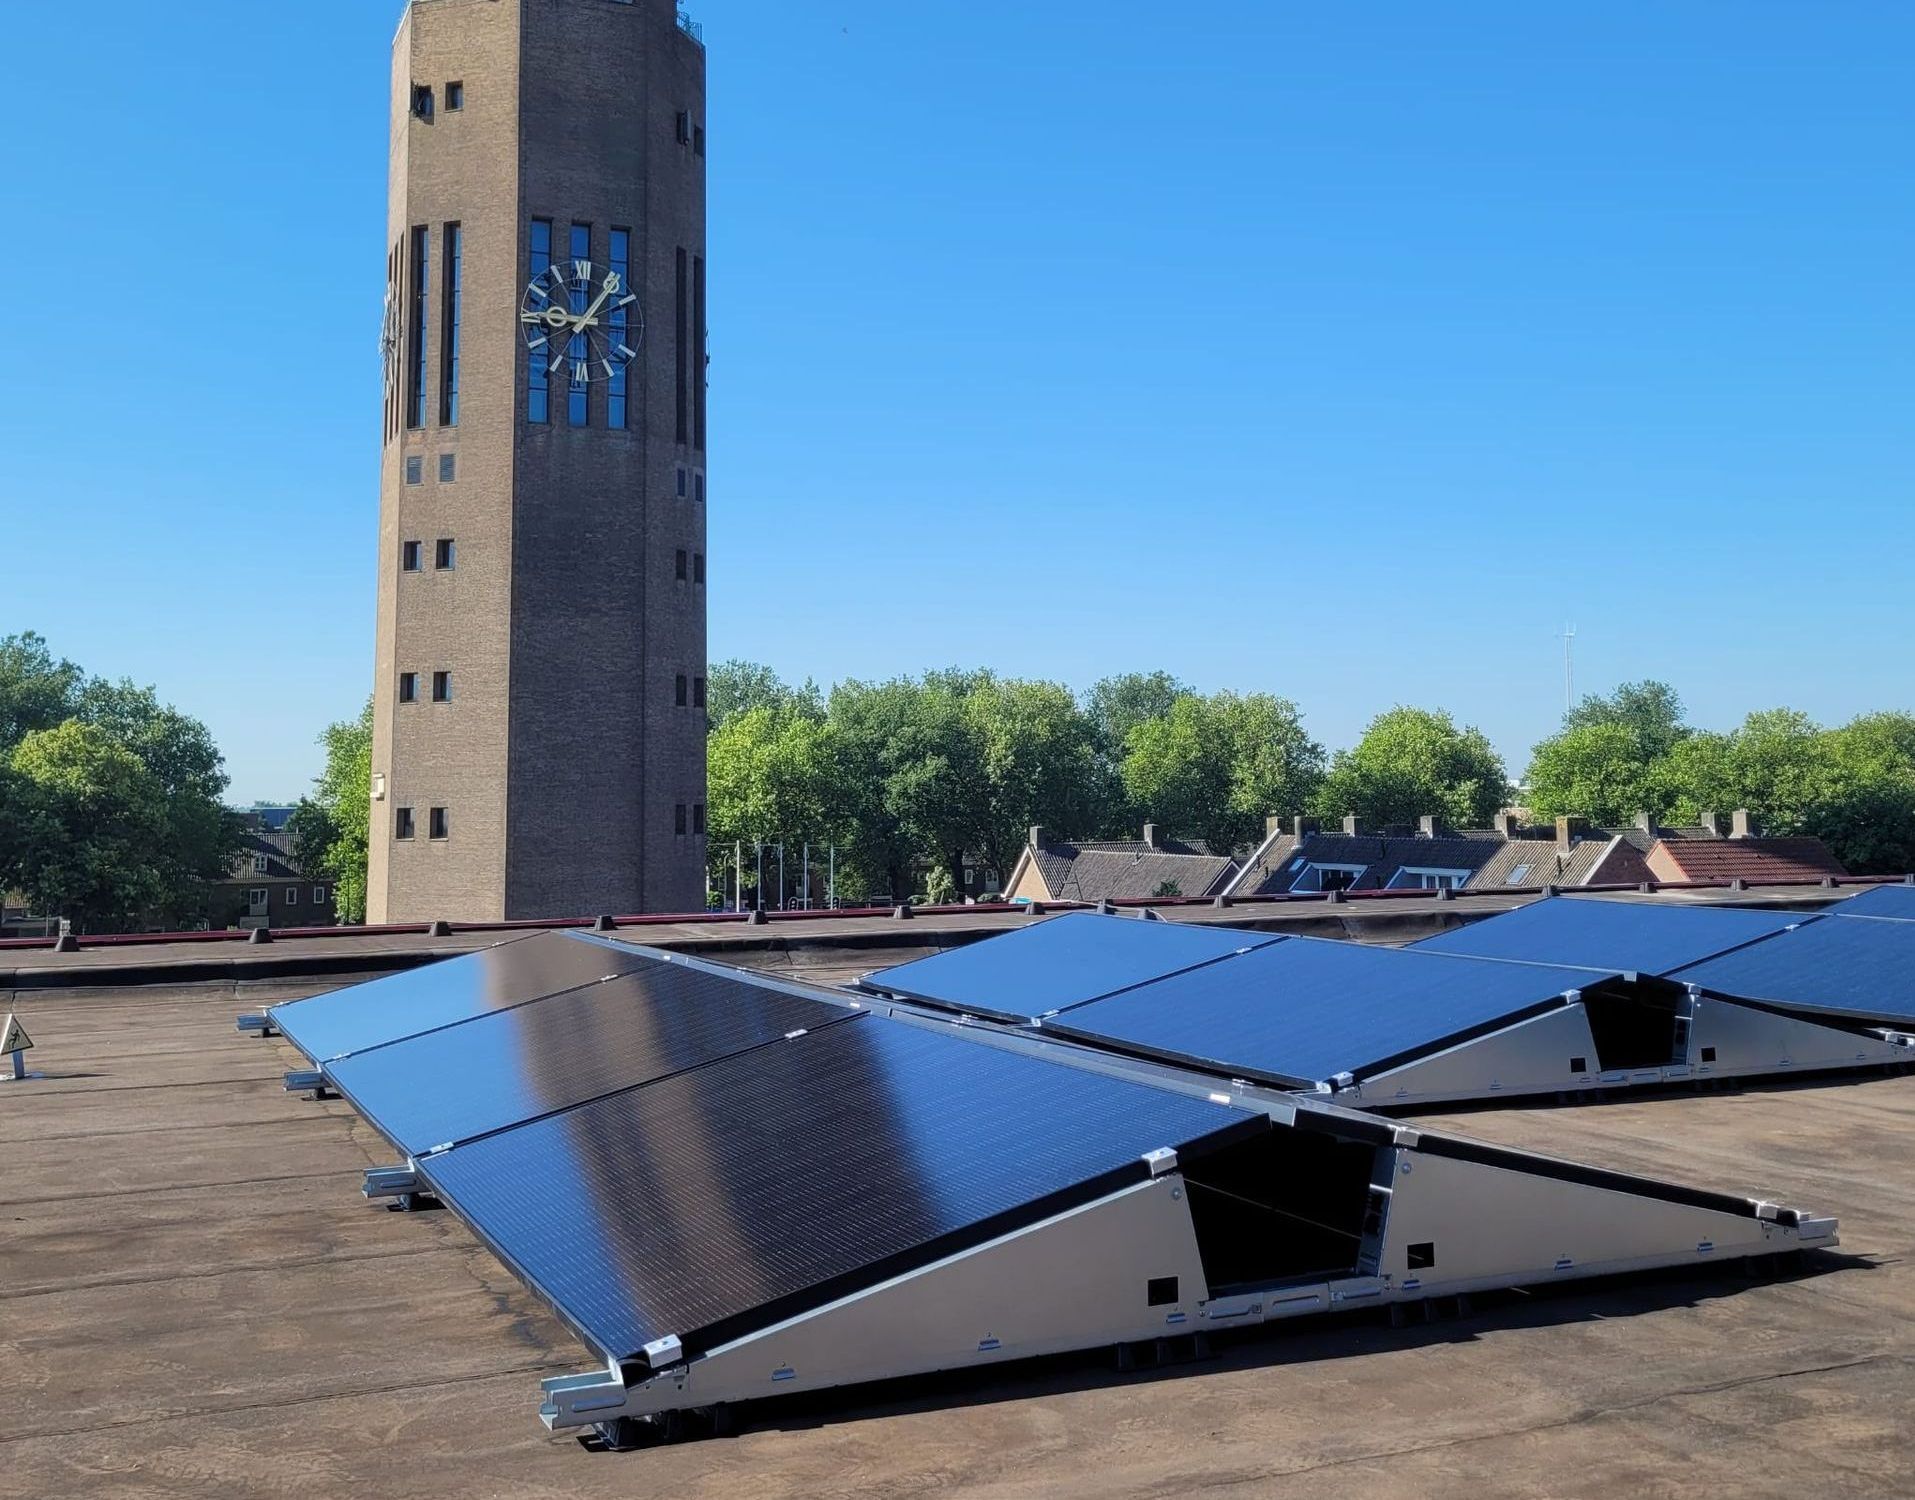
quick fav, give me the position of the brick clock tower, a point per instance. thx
(539, 698)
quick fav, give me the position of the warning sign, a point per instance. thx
(13, 1036)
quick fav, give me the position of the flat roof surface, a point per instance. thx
(194, 1300)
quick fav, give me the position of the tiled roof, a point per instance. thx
(1381, 858)
(1605, 859)
(1748, 859)
(1132, 871)
(276, 847)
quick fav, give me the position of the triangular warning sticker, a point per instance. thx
(13, 1036)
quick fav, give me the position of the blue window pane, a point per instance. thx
(538, 402)
(454, 275)
(577, 408)
(618, 327)
(421, 289)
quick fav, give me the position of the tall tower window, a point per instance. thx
(408, 687)
(681, 351)
(616, 324)
(420, 276)
(698, 352)
(538, 396)
(449, 335)
(578, 391)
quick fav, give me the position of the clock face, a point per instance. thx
(389, 342)
(580, 319)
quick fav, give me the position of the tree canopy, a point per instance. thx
(110, 812)
(1413, 762)
(331, 826)
(1630, 752)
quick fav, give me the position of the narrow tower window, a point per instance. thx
(449, 336)
(409, 557)
(578, 391)
(455, 95)
(698, 352)
(538, 397)
(682, 696)
(402, 822)
(420, 276)
(617, 329)
(408, 687)
(445, 555)
(681, 352)
(441, 687)
(438, 825)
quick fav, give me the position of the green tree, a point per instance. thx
(734, 687)
(1650, 711)
(1412, 762)
(90, 823)
(1214, 768)
(201, 835)
(1595, 770)
(767, 777)
(1038, 758)
(332, 826)
(36, 692)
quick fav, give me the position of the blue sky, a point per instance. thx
(1340, 351)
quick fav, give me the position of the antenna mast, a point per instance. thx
(1569, 667)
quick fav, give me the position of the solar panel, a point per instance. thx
(1858, 968)
(456, 989)
(1057, 963)
(513, 1065)
(1305, 1010)
(723, 1198)
(1625, 935)
(1882, 901)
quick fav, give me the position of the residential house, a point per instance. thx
(267, 888)
(1704, 853)
(1116, 870)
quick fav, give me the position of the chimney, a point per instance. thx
(1352, 825)
(1426, 827)
(1150, 835)
(1303, 827)
(1646, 821)
(1741, 825)
(1568, 830)
(1037, 836)
(1506, 825)
(1710, 824)
(1272, 826)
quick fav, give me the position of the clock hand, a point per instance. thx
(590, 318)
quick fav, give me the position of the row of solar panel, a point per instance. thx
(1296, 1011)
(1855, 959)
(664, 1149)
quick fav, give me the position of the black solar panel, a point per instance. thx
(455, 989)
(513, 1065)
(1627, 935)
(1882, 901)
(724, 1198)
(1851, 966)
(1305, 1010)
(1060, 962)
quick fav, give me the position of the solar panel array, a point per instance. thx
(1845, 961)
(1060, 962)
(659, 1148)
(1627, 935)
(1307, 1009)
(444, 993)
(1896, 901)
(1859, 968)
